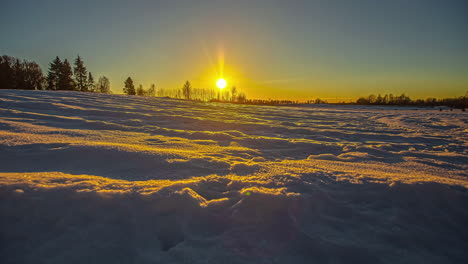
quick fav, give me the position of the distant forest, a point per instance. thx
(28, 75)
(389, 99)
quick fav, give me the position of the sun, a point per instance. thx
(221, 83)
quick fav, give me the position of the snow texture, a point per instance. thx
(94, 178)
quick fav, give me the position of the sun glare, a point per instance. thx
(221, 83)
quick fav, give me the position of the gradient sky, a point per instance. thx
(272, 49)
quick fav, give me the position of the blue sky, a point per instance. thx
(271, 49)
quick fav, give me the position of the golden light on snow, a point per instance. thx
(244, 172)
(221, 83)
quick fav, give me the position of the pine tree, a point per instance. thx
(129, 88)
(53, 75)
(80, 75)
(66, 81)
(90, 83)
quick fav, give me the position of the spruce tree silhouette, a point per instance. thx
(80, 73)
(66, 81)
(53, 74)
(129, 87)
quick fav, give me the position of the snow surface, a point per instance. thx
(93, 178)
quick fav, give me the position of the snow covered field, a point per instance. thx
(93, 178)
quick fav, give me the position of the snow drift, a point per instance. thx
(119, 179)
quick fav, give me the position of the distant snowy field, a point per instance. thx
(93, 178)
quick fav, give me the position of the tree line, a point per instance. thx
(404, 100)
(187, 91)
(28, 75)
(20, 74)
(61, 76)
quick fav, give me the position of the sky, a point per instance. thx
(268, 49)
